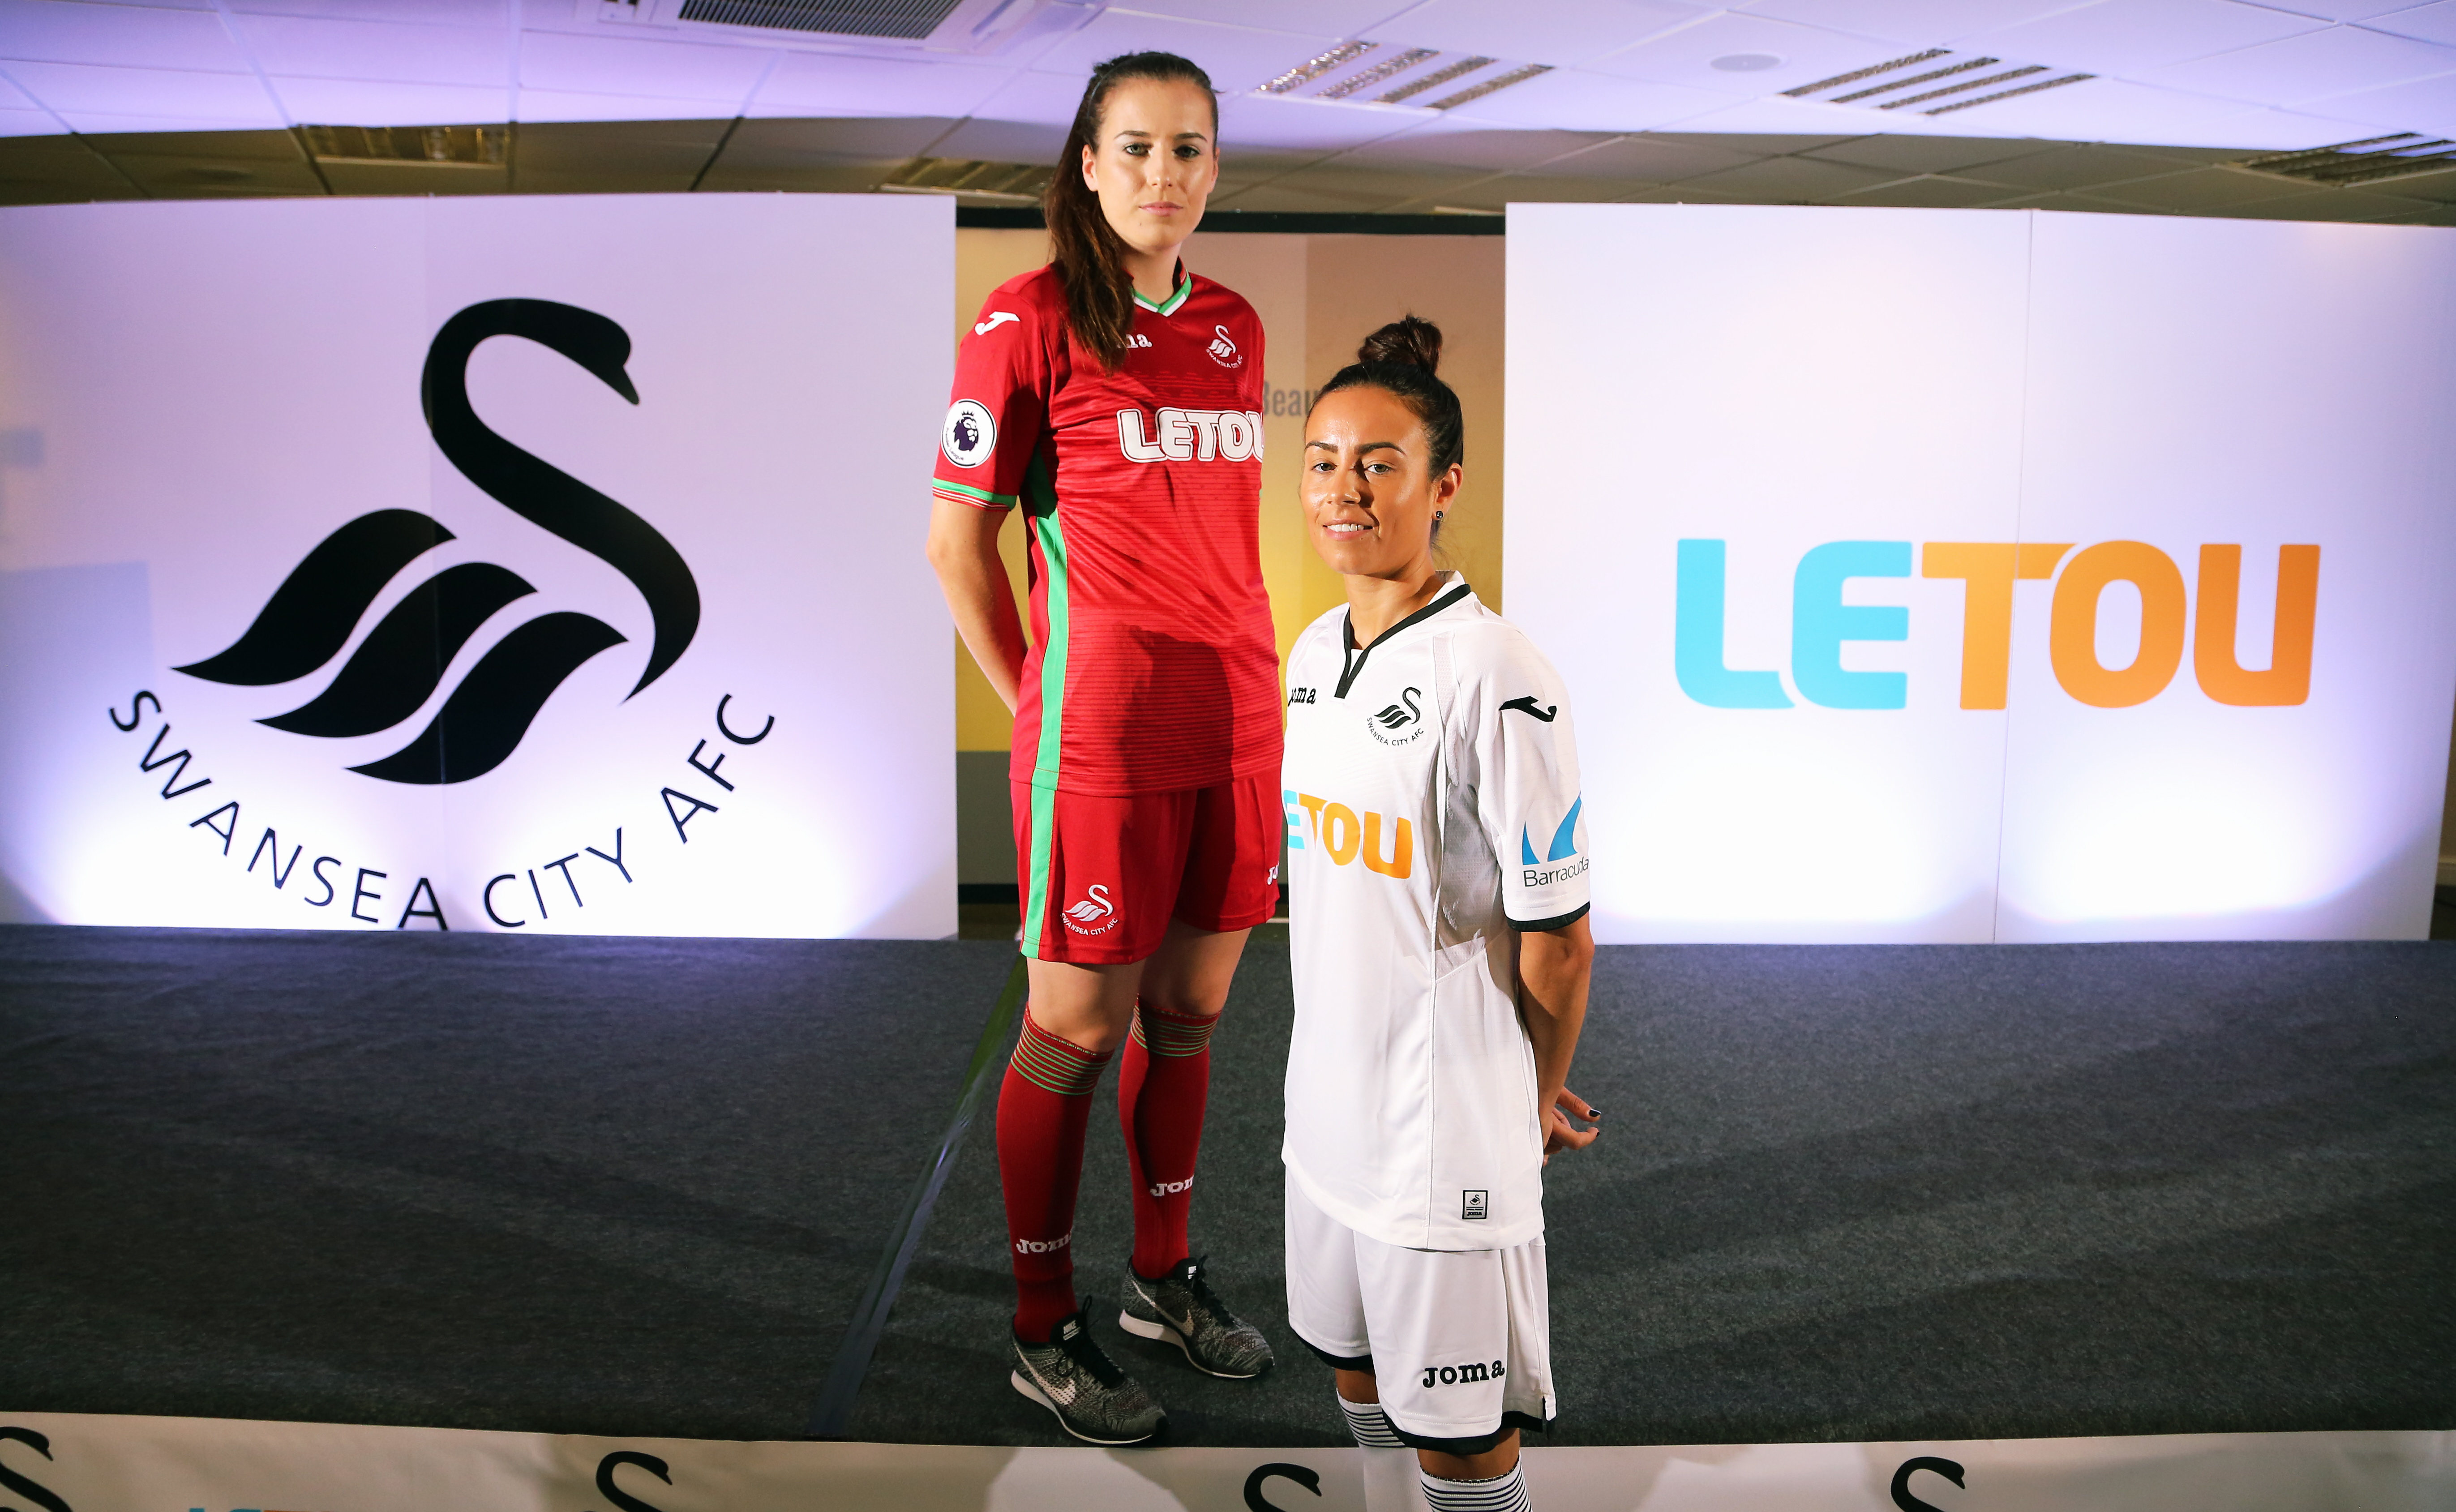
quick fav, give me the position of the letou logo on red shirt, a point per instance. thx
(1190, 435)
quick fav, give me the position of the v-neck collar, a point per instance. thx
(1168, 306)
(1352, 656)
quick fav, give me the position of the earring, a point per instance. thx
(1436, 514)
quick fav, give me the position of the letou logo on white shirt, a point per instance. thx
(1190, 435)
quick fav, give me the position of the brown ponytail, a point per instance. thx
(1087, 252)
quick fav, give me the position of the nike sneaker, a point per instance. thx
(1181, 1309)
(1074, 1377)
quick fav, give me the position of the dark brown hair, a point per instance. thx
(1083, 247)
(1400, 359)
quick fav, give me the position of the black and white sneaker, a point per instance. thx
(1093, 1399)
(1181, 1309)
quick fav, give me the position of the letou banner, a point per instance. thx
(70, 1462)
(1978, 575)
(536, 564)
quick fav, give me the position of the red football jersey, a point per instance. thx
(1153, 664)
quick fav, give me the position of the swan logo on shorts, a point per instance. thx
(401, 662)
(1224, 351)
(970, 434)
(1400, 723)
(1095, 914)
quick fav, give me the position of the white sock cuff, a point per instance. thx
(1503, 1493)
(1370, 1424)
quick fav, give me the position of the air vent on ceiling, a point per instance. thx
(1996, 78)
(435, 145)
(1012, 183)
(942, 26)
(1409, 72)
(2366, 161)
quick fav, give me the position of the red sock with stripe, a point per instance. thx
(1163, 1081)
(1044, 1106)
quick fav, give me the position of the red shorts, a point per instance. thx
(1100, 877)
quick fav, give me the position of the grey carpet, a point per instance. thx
(634, 1186)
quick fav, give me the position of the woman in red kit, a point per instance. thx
(1118, 399)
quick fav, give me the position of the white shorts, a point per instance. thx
(1460, 1341)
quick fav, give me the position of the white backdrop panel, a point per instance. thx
(1783, 423)
(197, 395)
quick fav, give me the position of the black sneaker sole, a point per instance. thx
(1023, 1383)
(1146, 1328)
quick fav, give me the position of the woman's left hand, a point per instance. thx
(1560, 1133)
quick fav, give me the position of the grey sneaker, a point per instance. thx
(1181, 1309)
(1093, 1399)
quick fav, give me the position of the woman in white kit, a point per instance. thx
(1438, 941)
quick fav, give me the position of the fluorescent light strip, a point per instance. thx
(1434, 79)
(1480, 91)
(1315, 66)
(1916, 78)
(1377, 73)
(1974, 84)
(2006, 94)
(1854, 76)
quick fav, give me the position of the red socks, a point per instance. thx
(1162, 1084)
(1044, 1106)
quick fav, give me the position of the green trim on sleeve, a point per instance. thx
(966, 493)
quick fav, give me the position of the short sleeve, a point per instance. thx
(999, 408)
(1528, 796)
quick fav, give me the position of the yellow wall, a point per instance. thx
(1318, 296)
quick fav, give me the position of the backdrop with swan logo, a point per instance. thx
(1871, 543)
(477, 563)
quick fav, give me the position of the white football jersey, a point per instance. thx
(1431, 783)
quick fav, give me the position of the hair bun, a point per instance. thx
(1408, 341)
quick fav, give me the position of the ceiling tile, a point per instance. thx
(64, 32)
(1029, 95)
(2084, 204)
(781, 145)
(2200, 189)
(49, 170)
(614, 65)
(1526, 189)
(495, 14)
(2431, 23)
(991, 140)
(2066, 167)
(2334, 9)
(1469, 144)
(1776, 114)
(1292, 193)
(413, 178)
(1929, 193)
(1343, 18)
(557, 105)
(29, 123)
(1807, 54)
(1643, 159)
(183, 176)
(13, 98)
(1924, 154)
(307, 48)
(1268, 121)
(2324, 204)
(1916, 23)
(1562, 34)
(2312, 66)
(832, 84)
(350, 102)
(2440, 186)
(2109, 110)
(2118, 36)
(228, 98)
(1794, 181)
(1237, 58)
(2425, 105)
(1573, 100)
(622, 158)
(96, 123)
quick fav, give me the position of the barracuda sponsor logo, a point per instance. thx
(1541, 873)
(1190, 435)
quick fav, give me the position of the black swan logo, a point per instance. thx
(1395, 717)
(310, 616)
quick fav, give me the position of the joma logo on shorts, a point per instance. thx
(1452, 1375)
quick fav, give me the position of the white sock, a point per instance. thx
(1503, 1493)
(1370, 1424)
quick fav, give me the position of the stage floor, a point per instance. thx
(636, 1187)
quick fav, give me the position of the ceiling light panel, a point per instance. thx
(1936, 81)
(2371, 160)
(1373, 72)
